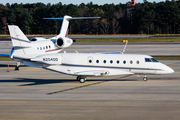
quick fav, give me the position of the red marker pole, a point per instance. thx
(8, 67)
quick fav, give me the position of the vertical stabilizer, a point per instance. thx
(64, 27)
(19, 40)
(17, 36)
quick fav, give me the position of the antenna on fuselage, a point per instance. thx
(125, 45)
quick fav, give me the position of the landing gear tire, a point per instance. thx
(145, 78)
(78, 78)
(82, 80)
(16, 68)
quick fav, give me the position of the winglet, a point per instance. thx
(125, 45)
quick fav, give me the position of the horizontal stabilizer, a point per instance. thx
(72, 18)
(20, 47)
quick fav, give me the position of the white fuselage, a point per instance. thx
(113, 64)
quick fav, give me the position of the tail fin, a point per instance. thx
(19, 40)
(65, 23)
(64, 27)
(17, 36)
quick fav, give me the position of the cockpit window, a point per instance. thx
(147, 60)
(150, 60)
(153, 60)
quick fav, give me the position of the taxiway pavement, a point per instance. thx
(25, 94)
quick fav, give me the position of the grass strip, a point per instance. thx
(145, 39)
(5, 58)
(167, 57)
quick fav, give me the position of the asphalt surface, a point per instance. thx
(34, 93)
(25, 94)
(149, 49)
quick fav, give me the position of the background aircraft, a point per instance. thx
(38, 45)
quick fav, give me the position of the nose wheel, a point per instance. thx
(81, 79)
(145, 78)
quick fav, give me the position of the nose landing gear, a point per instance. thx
(145, 78)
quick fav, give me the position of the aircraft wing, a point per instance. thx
(92, 73)
(5, 55)
(87, 73)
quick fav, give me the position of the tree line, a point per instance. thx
(143, 18)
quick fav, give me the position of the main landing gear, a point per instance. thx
(17, 66)
(145, 78)
(81, 79)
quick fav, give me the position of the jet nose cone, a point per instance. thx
(169, 70)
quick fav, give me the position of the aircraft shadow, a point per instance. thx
(31, 82)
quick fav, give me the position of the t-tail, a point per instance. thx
(65, 23)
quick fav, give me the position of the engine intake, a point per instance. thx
(64, 42)
(60, 42)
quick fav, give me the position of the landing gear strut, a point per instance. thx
(145, 78)
(81, 79)
(17, 66)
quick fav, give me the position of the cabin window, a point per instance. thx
(117, 61)
(97, 61)
(147, 60)
(90, 61)
(104, 61)
(111, 61)
(124, 62)
(137, 62)
(131, 62)
(46, 47)
(49, 46)
(40, 48)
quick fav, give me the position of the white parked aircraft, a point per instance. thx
(82, 65)
(39, 45)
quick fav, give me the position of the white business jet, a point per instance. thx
(39, 45)
(82, 65)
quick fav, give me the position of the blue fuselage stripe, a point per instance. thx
(110, 67)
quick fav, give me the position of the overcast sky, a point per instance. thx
(99, 2)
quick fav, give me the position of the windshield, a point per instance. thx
(153, 60)
(150, 60)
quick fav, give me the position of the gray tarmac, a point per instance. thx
(34, 93)
(146, 48)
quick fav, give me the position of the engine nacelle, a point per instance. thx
(63, 42)
(37, 39)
